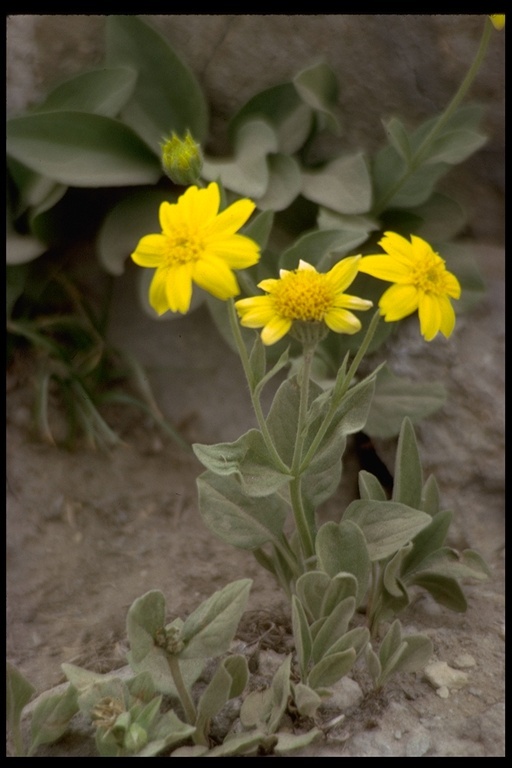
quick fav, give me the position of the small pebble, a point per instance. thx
(439, 674)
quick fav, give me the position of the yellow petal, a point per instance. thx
(398, 247)
(385, 268)
(237, 251)
(429, 312)
(342, 321)
(179, 288)
(398, 302)
(255, 312)
(352, 302)
(305, 266)
(215, 277)
(453, 288)
(275, 330)
(447, 316)
(344, 273)
(150, 251)
(170, 217)
(230, 220)
(158, 292)
(199, 207)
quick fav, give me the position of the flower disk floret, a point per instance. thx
(197, 245)
(304, 296)
(421, 282)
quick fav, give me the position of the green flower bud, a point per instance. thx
(136, 738)
(182, 159)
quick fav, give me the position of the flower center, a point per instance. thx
(303, 295)
(429, 274)
(183, 247)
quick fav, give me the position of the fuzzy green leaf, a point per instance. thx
(284, 183)
(301, 634)
(18, 693)
(51, 718)
(452, 564)
(102, 91)
(317, 248)
(259, 228)
(209, 630)
(398, 137)
(170, 730)
(318, 87)
(229, 681)
(391, 643)
(356, 638)
(331, 669)
(386, 525)
(427, 542)
(280, 690)
(282, 107)
(248, 173)
(353, 229)
(306, 699)
(444, 590)
(431, 497)
(310, 588)
(234, 517)
(341, 586)
(342, 548)
(323, 473)
(145, 617)
(454, 147)
(390, 172)
(418, 652)
(370, 487)
(391, 578)
(287, 742)
(395, 398)
(167, 96)
(408, 481)
(343, 185)
(334, 626)
(284, 413)
(81, 149)
(440, 218)
(247, 459)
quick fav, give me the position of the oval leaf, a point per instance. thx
(81, 150)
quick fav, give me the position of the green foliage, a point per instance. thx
(50, 716)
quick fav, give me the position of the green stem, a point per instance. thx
(304, 526)
(256, 404)
(306, 535)
(337, 397)
(185, 698)
(307, 360)
(417, 157)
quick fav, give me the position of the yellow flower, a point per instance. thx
(498, 20)
(197, 245)
(421, 282)
(304, 296)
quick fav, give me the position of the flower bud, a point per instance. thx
(182, 159)
(498, 20)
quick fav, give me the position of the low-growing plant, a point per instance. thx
(276, 231)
